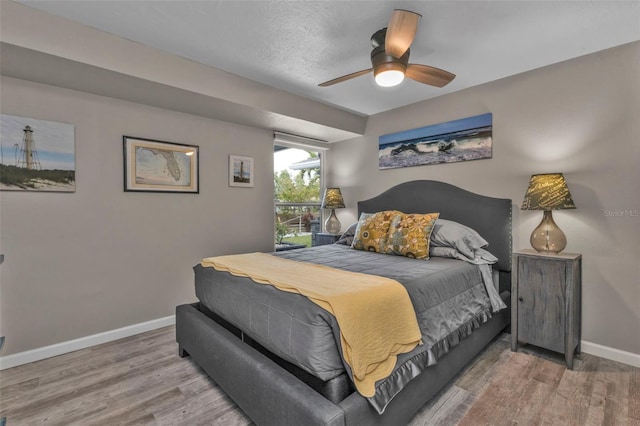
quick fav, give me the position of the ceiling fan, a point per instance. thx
(390, 56)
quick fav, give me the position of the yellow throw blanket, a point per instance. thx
(376, 318)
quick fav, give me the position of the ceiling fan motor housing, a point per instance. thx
(378, 38)
(383, 62)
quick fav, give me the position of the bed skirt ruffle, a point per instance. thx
(387, 389)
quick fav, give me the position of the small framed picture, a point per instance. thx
(241, 171)
(156, 166)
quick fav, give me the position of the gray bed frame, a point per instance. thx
(270, 395)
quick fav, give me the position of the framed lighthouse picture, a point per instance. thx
(36, 155)
(241, 171)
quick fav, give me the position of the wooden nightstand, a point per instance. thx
(546, 301)
(322, 238)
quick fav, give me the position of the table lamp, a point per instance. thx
(548, 192)
(332, 200)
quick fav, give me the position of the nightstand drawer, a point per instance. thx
(323, 238)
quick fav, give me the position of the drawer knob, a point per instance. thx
(521, 299)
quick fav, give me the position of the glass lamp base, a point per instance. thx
(547, 237)
(332, 225)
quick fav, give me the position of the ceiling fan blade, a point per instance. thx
(345, 77)
(429, 75)
(400, 32)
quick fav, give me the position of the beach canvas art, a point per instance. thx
(459, 140)
(36, 155)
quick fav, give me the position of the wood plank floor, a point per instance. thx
(141, 380)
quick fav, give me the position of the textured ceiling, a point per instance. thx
(294, 45)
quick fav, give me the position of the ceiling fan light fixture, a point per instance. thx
(389, 74)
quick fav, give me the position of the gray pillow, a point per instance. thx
(447, 233)
(481, 256)
(347, 236)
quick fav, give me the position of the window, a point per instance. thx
(298, 187)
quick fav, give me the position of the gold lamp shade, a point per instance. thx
(332, 200)
(548, 192)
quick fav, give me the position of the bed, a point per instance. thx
(278, 381)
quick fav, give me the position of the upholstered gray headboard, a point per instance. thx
(490, 217)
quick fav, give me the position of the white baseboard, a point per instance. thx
(108, 336)
(610, 353)
(38, 354)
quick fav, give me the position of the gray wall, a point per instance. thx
(98, 259)
(581, 118)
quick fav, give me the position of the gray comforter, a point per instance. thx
(448, 295)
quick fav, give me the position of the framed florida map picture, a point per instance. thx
(157, 166)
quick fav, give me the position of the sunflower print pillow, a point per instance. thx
(409, 235)
(373, 230)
